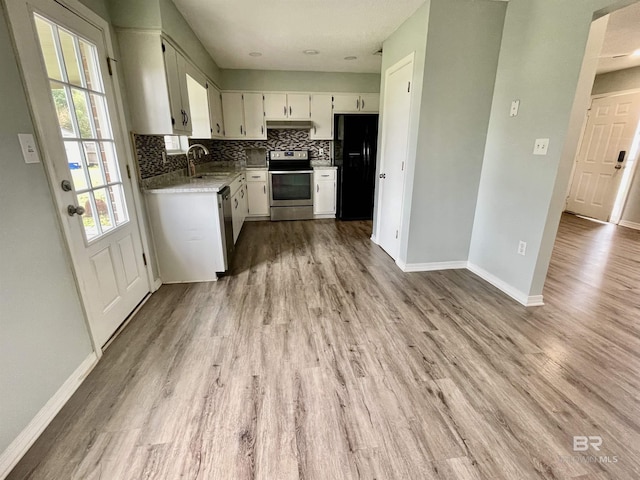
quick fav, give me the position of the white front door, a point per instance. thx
(64, 62)
(602, 156)
(395, 135)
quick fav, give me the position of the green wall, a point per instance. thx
(268, 80)
(463, 42)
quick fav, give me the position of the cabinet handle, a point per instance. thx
(324, 175)
(264, 187)
(358, 104)
(218, 126)
(186, 116)
(241, 130)
(255, 176)
(262, 129)
(290, 112)
(315, 130)
(285, 110)
(317, 187)
(362, 103)
(242, 193)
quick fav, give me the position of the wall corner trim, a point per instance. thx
(626, 223)
(430, 267)
(517, 295)
(16, 450)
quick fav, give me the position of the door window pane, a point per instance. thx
(83, 116)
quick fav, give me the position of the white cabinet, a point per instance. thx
(155, 80)
(187, 235)
(356, 103)
(215, 111)
(238, 204)
(286, 106)
(243, 116)
(254, 116)
(176, 71)
(321, 116)
(324, 197)
(258, 193)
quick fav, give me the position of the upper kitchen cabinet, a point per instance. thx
(215, 111)
(243, 116)
(354, 103)
(155, 78)
(321, 116)
(286, 106)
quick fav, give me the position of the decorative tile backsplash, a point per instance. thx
(149, 150)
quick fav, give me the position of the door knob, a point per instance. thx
(383, 175)
(75, 210)
(65, 185)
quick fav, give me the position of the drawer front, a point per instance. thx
(259, 176)
(325, 175)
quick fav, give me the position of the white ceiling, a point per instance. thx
(622, 38)
(282, 29)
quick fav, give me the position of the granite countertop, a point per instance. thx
(211, 181)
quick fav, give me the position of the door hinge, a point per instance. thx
(402, 166)
(128, 171)
(164, 49)
(109, 66)
(206, 85)
(396, 233)
(144, 258)
(408, 87)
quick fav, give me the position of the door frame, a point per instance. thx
(409, 59)
(32, 91)
(626, 189)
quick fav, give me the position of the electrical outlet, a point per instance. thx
(515, 105)
(522, 248)
(164, 158)
(321, 151)
(541, 146)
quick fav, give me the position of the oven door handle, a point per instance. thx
(290, 171)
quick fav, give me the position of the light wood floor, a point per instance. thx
(318, 359)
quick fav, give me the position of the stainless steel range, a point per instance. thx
(291, 184)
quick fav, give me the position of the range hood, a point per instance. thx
(289, 124)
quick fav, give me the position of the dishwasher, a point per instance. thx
(226, 225)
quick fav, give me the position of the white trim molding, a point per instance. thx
(430, 267)
(520, 297)
(628, 224)
(16, 450)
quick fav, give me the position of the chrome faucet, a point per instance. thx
(191, 165)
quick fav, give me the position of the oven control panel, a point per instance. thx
(289, 155)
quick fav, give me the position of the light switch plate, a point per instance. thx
(515, 105)
(541, 146)
(29, 150)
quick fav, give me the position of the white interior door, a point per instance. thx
(63, 58)
(395, 135)
(610, 129)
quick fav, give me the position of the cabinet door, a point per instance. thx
(215, 110)
(324, 200)
(370, 102)
(184, 93)
(178, 118)
(346, 103)
(233, 115)
(275, 106)
(244, 205)
(322, 117)
(298, 105)
(254, 116)
(236, 215)
(258, 198)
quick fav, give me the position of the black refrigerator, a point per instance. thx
(355, 146)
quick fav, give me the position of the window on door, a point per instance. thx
(80, 101)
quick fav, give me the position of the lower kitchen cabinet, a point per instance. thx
(258, 193)
(238, 205)
(324, 195)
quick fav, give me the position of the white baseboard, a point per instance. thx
(16, 450)
(157, 284)
(517, 295)
(430, 267)
(626, 223)
(322, 216)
